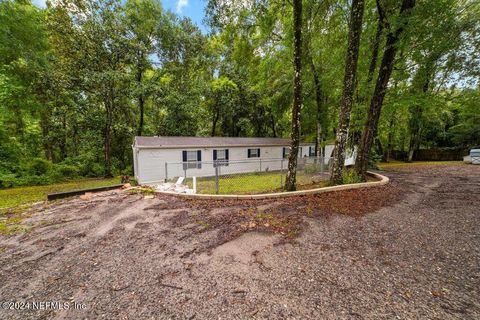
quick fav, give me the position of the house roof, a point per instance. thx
(206, 142)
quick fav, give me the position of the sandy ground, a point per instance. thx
(406, 251)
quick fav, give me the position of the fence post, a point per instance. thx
(260, 165)
(216, 180)
(166, 172)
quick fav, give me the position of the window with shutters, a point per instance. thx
(220, 157)
(254, 153)
(191, 159)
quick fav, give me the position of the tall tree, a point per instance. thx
(291, 181)
(105, 57)
(384, 74)
(142, 22)
(356, 17)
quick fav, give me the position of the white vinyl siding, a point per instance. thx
(151, 168)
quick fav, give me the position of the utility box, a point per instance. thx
(475, 156)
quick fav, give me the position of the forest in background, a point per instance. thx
(79, 79)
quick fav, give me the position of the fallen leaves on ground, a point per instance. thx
(281, 216)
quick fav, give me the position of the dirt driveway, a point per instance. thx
(407, 250)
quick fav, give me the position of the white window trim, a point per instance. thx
(221, 154)
(253, 152)
(194, 158)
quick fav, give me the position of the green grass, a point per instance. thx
(251, 183)
(384, 165)
(14, 197)
(12, 225)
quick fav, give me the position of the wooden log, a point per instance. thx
(61, 195)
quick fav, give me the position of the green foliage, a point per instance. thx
(466, 131)
(76, 77)
(373, 159)
(12, 225)
(66, 171)
(39, 167)
(350, 176)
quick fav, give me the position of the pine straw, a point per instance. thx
(232, 218)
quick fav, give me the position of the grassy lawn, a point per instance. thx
(15, 197)
(250, 183)
(384, 165)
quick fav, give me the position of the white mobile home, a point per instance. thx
(158, 158)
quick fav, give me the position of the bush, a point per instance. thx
(66, 171)
(35, 180)
(350, 176)
(91, 169)
(373, 159)
(39, 166)
(8, 180)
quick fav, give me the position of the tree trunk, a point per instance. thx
(291, 183)
(63, 140)
(422, 79)
(379, 146)
(414, 131)
(318, 100)
(414, 144)
(141, 99)
(108, 142)
(214, 124)
(355, 131)
(109, 105)
(390, 138)
(318, 140)
(274, 130)
(141, 104)
(376, 43)
(356, 17)
(45, 126)
(376, 103)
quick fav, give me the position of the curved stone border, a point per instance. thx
(382, 181)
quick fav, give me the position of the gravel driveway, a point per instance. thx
(407, 250)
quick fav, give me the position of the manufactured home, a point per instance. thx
(158, 158)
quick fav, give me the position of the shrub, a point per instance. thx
(350, 176)
(91, 169)
(39, 166)
(66, 171)
(373, 159)
(35, 180)
(8, 180)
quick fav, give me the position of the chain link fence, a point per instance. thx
(246, 176)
